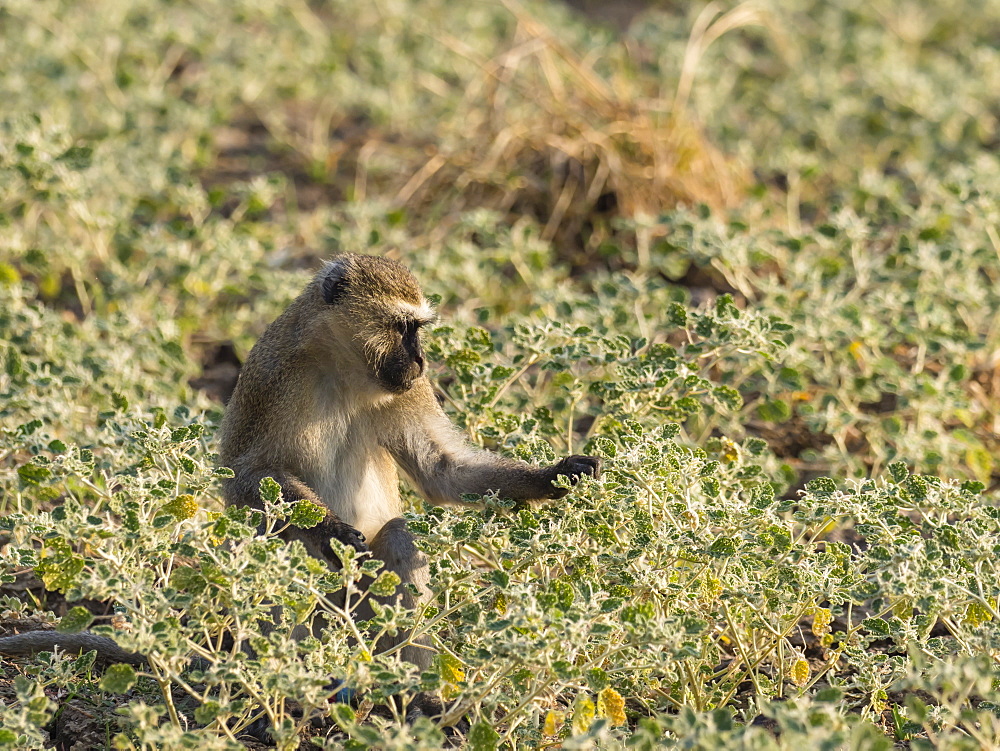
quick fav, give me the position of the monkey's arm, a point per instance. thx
(444, 466)
(31, 642)
(244, 490)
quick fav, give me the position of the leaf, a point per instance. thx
(77, 158)
(182, 507)
(482, 737)
(452, 673)
(980, 462)
(187, 579)
(77, 619)
(584, 713)
(7, 737)
(59, 565)
(270, 490)
(774, 410)
(553, 722)
(118, 679)
(822, 486)
(385, 585)
(206, 712)
(611, 705)
(33, 474)
(799, 672)
(343, 715)
(677, 315)
(723, 547)
(976, 614)
(877, 626)
(728, 397)
(306, 514)
(725, 307)
(914, 488)
(500, 578)
(898, 472)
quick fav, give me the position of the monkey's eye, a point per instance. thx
(409, 328)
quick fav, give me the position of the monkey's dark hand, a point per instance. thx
(346, 534)
(573, 467)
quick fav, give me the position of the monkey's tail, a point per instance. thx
(31, 642)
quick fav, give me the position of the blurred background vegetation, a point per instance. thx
(170, 172)
(759, 220)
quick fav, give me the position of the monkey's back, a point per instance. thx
(269, 383)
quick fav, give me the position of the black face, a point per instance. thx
(406, 362)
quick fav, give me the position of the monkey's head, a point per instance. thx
(378, 303)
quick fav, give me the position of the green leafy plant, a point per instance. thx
(794, 543)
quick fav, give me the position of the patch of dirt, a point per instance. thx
(618, 14)
(220, 369)
(80, 726)
(247, 148)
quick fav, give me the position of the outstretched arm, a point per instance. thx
(444, 466)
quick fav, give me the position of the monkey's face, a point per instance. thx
(379, 305)
(403, 362)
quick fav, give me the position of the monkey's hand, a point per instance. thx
(573, 467)
(345, 533)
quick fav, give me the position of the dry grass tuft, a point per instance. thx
(542, 133)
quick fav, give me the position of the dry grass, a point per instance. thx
(542, 133)
(538, 132)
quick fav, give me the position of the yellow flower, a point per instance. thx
(553, 722)
(9, 276)
(182, 507)
(855, 348)
(610, 704)
(799, 673)
(730, 452)
(822, 618)
(711, 588)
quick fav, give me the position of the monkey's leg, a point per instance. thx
(395, 546)
(244, 490)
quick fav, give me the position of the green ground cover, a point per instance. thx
(748, 254)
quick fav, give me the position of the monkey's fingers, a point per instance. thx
(348, 535)
(577, 465)
(573, 467)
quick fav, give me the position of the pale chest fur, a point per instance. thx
(342, 461)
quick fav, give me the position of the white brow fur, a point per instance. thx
(423, 313)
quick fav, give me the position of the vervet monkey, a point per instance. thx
(333, 398)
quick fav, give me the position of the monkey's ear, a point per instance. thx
(335, 282)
